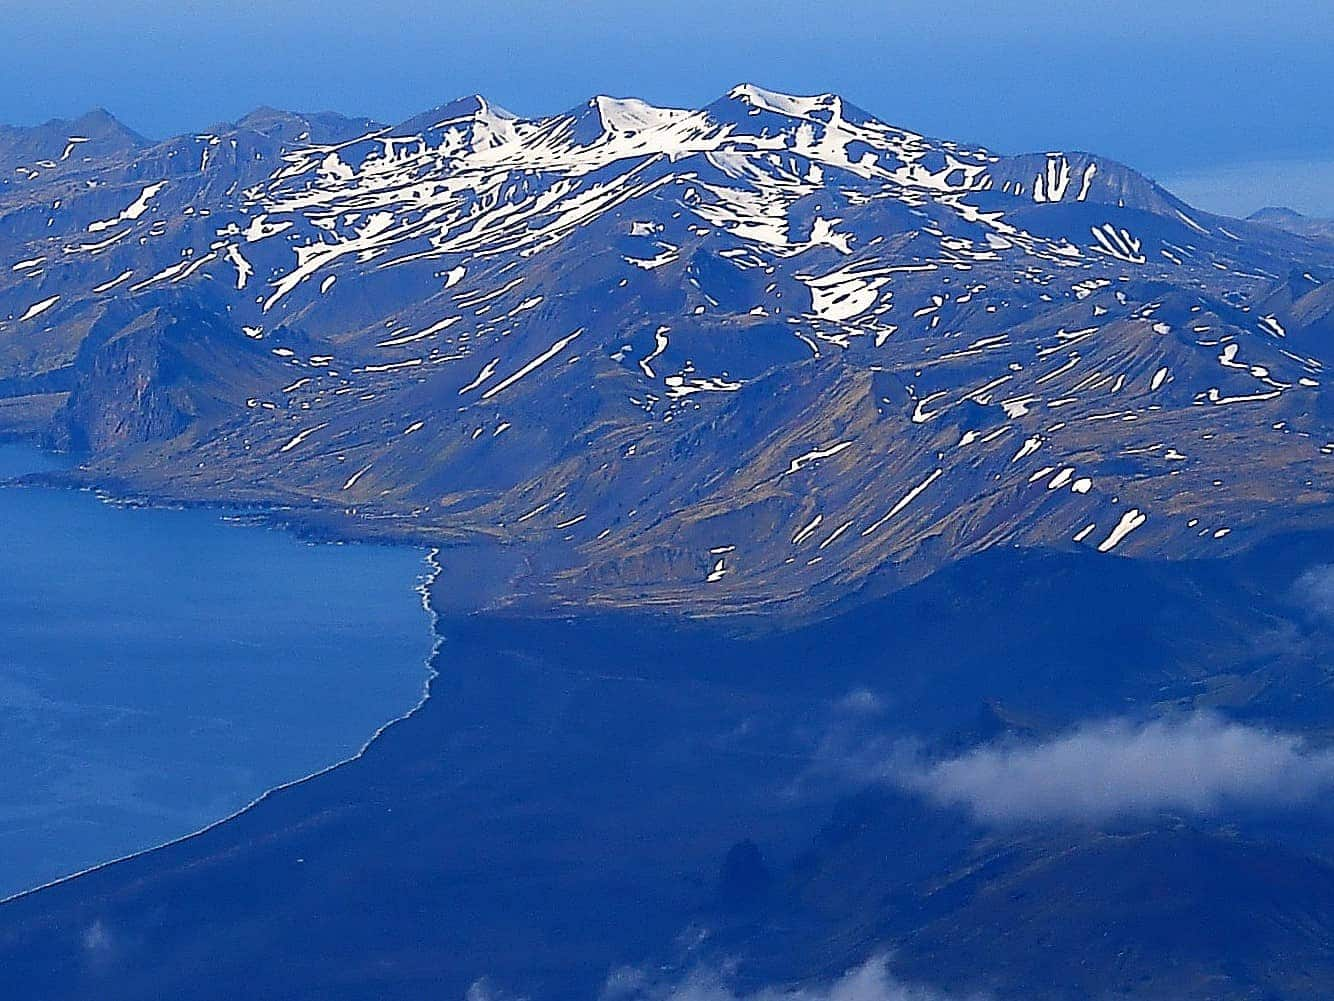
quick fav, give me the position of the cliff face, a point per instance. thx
(152, 376)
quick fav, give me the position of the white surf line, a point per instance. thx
(423, 588)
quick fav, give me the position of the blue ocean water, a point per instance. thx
(160, 669)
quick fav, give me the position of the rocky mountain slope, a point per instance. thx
(769, 352)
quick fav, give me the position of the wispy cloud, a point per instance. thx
(483, 990)
(872, 981)
(1198, 764)
(1314, 591)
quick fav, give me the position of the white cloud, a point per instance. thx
(872, 981)
(1314, 590)
(96, 937)
(1198, 764)
(482, 990)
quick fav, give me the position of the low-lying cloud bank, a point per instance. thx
(1198, 764)
(871, 981)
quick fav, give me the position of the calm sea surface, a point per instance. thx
(160, 669)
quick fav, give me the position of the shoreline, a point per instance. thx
(309, 522)
(431, 559)
(247, 516)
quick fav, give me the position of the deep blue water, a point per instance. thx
(160, 669)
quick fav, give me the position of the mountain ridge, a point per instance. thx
(759, 354)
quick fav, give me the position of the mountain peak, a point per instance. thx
(99, 123)
(1271, 212)
(97, 116)
(816, 106)
(468, 109)
(265, 118)
(94, 133)
(96, 123)
(476, 106)
(628, 115)
(1291, 221)
(292, 126)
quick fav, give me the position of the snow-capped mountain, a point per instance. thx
(714, 359)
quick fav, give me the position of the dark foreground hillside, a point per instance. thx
(652, 796)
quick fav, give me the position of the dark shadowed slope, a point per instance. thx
(564, 802)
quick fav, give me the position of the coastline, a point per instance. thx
(429, 570)
(432, 672)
